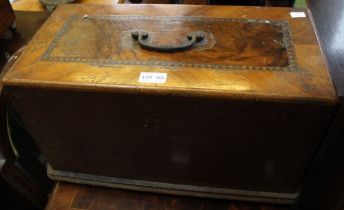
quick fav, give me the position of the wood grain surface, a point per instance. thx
(258, 46)
(80, 197)
(245, 128)
(311, 82)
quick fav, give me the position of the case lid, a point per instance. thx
(236, 52)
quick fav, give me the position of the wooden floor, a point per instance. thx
(80, 197)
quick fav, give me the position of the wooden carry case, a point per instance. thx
(211, 101)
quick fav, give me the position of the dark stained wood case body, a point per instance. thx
(241, 114)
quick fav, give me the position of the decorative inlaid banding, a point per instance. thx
(244, 49)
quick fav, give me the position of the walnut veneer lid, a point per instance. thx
(246, 52)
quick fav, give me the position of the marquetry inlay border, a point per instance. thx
(287, 42)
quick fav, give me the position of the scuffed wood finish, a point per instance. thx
(246, 132)
(6, 15)
(257, 45)
(79, 197)
(312, 82)
(248, 145)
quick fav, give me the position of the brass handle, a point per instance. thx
(191, 39)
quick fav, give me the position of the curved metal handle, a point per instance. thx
(192, 38)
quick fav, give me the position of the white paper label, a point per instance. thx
(297, 14)
(153, 77)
